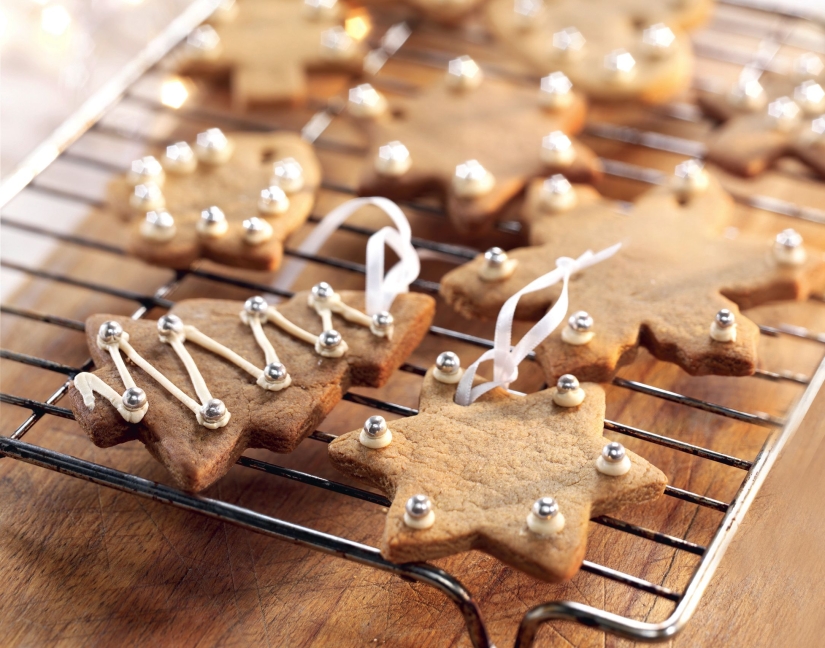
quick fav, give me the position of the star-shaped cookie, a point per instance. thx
(768, 119)
(612, 50)
(172, 220)
(261, 415)
(270, 45)
(666, 289)
(474, 141)
(483, 467)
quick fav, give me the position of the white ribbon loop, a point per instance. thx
(506, 359)
(381, 289)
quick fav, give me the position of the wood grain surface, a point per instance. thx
(85, 565)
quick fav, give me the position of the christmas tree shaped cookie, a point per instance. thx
(474, 140)
(675, 287)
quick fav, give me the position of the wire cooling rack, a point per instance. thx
(754, 472)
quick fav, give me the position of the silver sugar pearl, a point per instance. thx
(330, 339)
(818, 127)
(169, 324)
(146, 169)
(273, 199)
(783, 109)
(810, 96)
(365, 100)
(689, 169)
(557, 185)
(255, 305)
(212, 139)
(203, 39)
(580, 321)
(725, 318)
(556, 141)
(394, 151)
(471, 170)
(748, 93)
(418, 507)
(569, 41)
(212, 215)
(160, 219)
(658, 38)
(447, 362)
(495, 256)
(179, 155)
(545, 508)
(133, 399)
(110, 331)
(275, 372)
(322, 290)
(288, 174)
(319, 7)
(567, 383)
(213, 410)
(336, 41)
(147, 193)
(556, 83)
(613, 452)
(254, 225)
(789, 239)
(620, 62)
(383, 320)
(527, 10)
(463, 72)
(375, 427)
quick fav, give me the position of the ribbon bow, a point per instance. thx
(506, 359)
(381, 288)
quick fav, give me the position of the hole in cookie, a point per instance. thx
(268, 156)
(399, 113)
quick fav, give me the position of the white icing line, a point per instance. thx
(114, 351)
(167, 384)
(88, 383)
(201, 339)
(177, 344)
(260, 337)
(295, 331)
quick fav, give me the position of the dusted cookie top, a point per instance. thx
(612, 50)
(232, 198)
(263, 400)
(664, 289)
(475, 140)
(518, 477)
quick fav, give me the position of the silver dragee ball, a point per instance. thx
(580, 321)
(545, 507)
(255, 305)
(213, 410)
(613, 452)
(725, 318)
(330, 339)
(375, 426)
(110, 331)
(418, 506)
(383, 320)
(447, 362)
(170, 324)
(275, 372)
(322, 290)
(567, 383)
(134, 398)
(495, 256)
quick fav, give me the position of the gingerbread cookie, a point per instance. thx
(612, 50)
(233, 199)
(675, 287)
(518, 477)
(768, 118)
(476, 141)
(270, 45)
(214, 377)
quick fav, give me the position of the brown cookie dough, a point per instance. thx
(661, 290)
(497, 124)
(781, 118)
(270, 45)
(612, 50)
(484, 466)
(234, 186)
(276, 420)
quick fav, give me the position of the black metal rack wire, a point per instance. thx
(685, 601)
